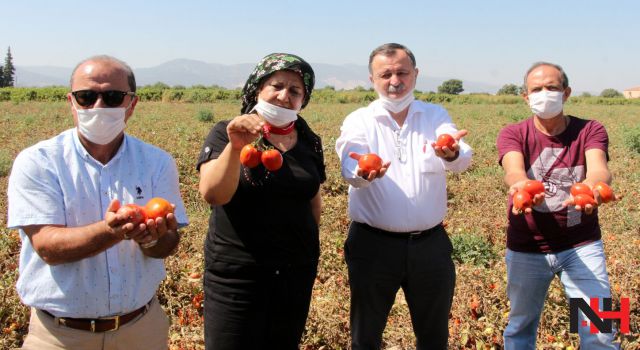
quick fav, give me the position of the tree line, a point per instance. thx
(454, 87)
(513, 89)
(450, 87)
(8, 71)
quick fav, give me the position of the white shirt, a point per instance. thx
(412, 196)
(57, 182)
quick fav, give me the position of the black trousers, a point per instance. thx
(254, 307)
(380, 263)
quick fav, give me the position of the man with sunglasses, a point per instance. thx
(88, 272)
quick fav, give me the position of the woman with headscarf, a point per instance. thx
(262, 247)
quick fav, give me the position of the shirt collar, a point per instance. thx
(377, 111)
(85, 154)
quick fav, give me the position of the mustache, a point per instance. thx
(396, 88)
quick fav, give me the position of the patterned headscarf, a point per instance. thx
(269, 65)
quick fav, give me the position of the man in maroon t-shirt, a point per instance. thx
(555, 237)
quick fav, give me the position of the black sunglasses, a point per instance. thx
(112, 98)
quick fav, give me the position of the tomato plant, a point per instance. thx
(370, 162)
(581, 188)
(158, 207)
(606, 193)
(272, 159)
(534, 187)
(133, 213)
(582, 200)
(250, 156)
(446, 140)
(522, 200)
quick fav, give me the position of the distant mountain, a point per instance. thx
(188, 72)
(191, 72)
(42, 76)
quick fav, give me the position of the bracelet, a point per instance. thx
(150, 244)
(453, 158)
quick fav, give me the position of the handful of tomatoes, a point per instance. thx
(155, 208)
(583, 194)
(523, 198)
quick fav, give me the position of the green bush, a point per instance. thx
(170, 95)
(149, 94)
(610, 93)
(5, 94)
(198, 95)
(632, 139)
(470, 248)
(205, 115)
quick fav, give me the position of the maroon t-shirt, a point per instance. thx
(559, 162)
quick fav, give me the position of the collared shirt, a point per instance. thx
(57, 182)
(412, 196)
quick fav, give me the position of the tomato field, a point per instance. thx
(476, 222)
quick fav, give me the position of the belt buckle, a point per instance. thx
(116, 320)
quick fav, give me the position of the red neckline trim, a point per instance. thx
(270, 129)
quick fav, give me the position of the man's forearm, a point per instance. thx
(59, 244)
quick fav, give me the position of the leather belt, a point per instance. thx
(103, 324)
(412, 234)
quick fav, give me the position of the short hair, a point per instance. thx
(565, 79)
(131, 79)
(389, 50)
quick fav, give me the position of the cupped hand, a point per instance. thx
(536, 199)
(155, 229)
(446, 152)
(587, 209)
(371, 175)
(118, 224)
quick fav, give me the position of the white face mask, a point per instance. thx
(546, 104)
(396, 105)
(275, 115)
(101, 125)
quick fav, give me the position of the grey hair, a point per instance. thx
(565, 79)
(131, 79)
(389, 50)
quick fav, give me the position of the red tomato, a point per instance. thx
(522, 200)
(272, 159)
(158, 207)
(534, 187)
(250, 156)
(581, 188)
(606, 193)
(582, 200)
(445, 140)
(134, 213)
(370, 162)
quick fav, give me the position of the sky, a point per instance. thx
(490, 41)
